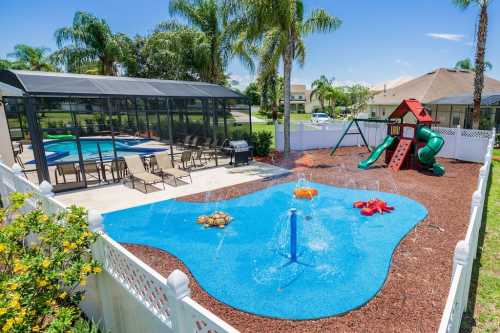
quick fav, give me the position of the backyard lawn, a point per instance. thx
(484, 298)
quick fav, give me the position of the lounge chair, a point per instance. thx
(167, 167)
(137, 171)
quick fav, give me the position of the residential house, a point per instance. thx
(435, 90)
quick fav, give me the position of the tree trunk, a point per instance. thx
(287, 71)
(479, 68)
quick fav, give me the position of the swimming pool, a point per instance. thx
(344, 257)
(66, 150)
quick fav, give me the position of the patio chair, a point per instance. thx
(137, 171)
(196, 156)
(66, 169)
(92, 169)
(187, 140)
(194, 143)
(168, 168)
(207, 143)
(186, 158)
(117, 168)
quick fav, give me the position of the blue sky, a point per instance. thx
(378, 40)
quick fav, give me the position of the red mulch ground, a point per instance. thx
(413, 297)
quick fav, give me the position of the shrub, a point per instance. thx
(43, 261)
(261, 143)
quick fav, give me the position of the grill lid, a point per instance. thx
(238, 145)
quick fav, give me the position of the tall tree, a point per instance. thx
(252, 92)
(466, 64)
(281, 26)
(175, 55)
(89, 41)
(211, 18)
(359, 96)
(321, 88)
(482, 30)
(31, 58)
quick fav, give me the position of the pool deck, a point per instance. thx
(414, 294)
(118, 196)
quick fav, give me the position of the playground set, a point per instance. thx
(407, 145)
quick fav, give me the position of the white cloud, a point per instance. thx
(240, 81)
(469, 44)
(450, 37)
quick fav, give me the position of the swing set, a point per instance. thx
(356, 121)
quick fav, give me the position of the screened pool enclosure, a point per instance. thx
(73, 130)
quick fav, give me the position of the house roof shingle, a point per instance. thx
(434, 85)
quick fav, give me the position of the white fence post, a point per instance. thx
(95, 221)
(179, 285)
(458, 139)
(461, 257)
(46, 189)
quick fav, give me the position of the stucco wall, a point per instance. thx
(5, 145)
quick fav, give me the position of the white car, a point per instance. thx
(320, 118)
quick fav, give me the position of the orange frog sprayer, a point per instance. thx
(305, 193)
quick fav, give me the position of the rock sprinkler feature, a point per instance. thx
(217, 219)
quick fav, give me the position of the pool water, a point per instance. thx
(344, 257)
(67, 149)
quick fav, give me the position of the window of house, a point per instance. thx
(455, 121)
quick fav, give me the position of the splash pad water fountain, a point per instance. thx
(321, 259)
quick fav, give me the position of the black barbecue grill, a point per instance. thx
(239, 151)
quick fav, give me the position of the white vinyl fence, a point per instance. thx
(128, 295)
(465, 252)
(461, 144)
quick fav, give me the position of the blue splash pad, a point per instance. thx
(344, 257)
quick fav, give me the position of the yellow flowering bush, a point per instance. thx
(44, 260)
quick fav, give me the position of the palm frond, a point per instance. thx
(321, 21)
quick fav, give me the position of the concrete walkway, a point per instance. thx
(118, 196)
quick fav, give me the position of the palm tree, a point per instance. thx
(482, 29)
(333, 94)
(31, 58)
(211, 18)
(321, 88)
(466, 64)
(88, 42)
(281, 26)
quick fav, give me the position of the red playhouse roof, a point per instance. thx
(414, 106)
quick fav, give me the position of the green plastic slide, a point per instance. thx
(388, 141)
(426, 154)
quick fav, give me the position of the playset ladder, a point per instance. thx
(400, 154)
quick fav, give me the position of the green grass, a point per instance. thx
(300, 116)
(484, 298)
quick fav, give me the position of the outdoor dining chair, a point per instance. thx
(66, 169)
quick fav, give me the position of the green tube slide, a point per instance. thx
(426, 154)
(388, 141)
